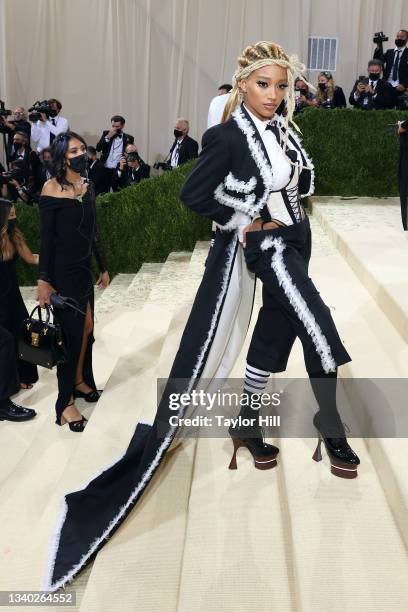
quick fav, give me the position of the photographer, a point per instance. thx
(402, 131)
(303, 96)
(47, 122)
(328, 94)
(395, 63)
(41, 168)
(372, 92)
(14, 183)
(17, 122)
(20, 148)
(112, 145)
(96, 170)
(184, 148)
(131, 169)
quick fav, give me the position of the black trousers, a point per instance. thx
(292, 306)
(9, 380)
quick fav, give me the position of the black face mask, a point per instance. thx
(18, 145)
(78, 163)
(119, 132)
(322, 86)
(47, 165)
(399, 42)
(12, 225)
(373, 76)
(177, 133)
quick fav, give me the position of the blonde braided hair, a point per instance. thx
(264, 54)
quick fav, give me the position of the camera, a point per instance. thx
(162, 166)
(132, 157)
(6, 177)
(363, 79)
(379, 38)
(38, 108)
(4, 112)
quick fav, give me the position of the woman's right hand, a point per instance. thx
(44, 291)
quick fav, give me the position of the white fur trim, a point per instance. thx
(258, 156)
(244, 205)
(234, 184)
(48, 585)
(310, 165)
(238, 219)
(298, 302)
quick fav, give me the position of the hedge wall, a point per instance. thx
(354, 153)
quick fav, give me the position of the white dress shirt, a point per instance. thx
(175, 154)
(281, 169)
(115, 152)
(40, 131)
(397, 58)
(216, 109)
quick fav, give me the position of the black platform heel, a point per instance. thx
(75, 426)
(91, 396)
(343, 460)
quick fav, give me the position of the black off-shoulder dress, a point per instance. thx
(68, 238)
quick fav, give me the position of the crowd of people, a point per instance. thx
(51, 165)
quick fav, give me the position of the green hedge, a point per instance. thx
(144, 222)
(353, 151)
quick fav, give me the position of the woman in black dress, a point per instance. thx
(12, 307)
(68, 239)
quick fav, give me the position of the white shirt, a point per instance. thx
(175, 154)
(115, 152)
(396, 59)
(216, 109)
(281, 169)
(40, 131)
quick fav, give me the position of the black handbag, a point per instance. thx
(41, 342)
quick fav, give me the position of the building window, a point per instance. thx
(322, 53)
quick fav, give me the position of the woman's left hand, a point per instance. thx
(103, 280)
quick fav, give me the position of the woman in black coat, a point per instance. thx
(249, 179)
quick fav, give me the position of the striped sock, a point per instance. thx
(255, 379)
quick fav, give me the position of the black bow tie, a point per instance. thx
(275, 130)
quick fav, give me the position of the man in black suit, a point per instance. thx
(112, 145)
(9, 381)
(184, 148)
(396, 63)
(96, 170)
(403, 172)
(372, 92)
(131, 170)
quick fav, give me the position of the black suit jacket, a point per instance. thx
(385, 97)
(231, 178)
(97, 176)
(388, 59)
(188, 150)
(105, 147)
(125, 179)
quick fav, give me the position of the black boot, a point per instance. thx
(330, 428)
(9, 411)
(343, 459)
(251, 436)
